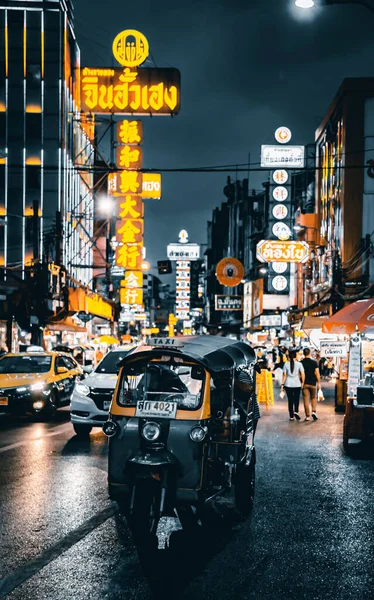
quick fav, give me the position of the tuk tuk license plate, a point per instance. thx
(3, 401)
(154, 408)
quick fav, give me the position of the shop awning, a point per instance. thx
(66, 325)
(93, 304)
(356, 317)
(309, 323)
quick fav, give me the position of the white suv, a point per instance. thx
(92, 396)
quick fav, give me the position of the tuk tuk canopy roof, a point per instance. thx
(214, 353)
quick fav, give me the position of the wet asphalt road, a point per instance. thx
(310, 535)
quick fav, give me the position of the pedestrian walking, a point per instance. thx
(312, 379)
(293, 380)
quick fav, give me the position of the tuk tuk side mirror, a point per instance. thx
(197, 373)
(62, 370)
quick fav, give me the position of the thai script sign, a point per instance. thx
(183, 251)
(331, 349)
(278, 251)
(290, 157)
(228, 302)
(130, 91)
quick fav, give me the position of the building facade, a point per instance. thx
(342, 228)
(46, 160)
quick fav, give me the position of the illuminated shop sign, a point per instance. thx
(283, 135)
(290, 157)
(229, 303)
(130, 48)
(278, 251)
(130, 91)
(183, 251)
(129, 132)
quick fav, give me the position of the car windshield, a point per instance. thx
(110, 362)
(25, 364)
(179, 383)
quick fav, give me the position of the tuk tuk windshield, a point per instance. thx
(179, 383)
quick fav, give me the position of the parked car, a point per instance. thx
(91, 398)
(36, 383)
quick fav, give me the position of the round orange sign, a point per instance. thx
(230, 272)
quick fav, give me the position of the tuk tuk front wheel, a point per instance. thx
(245, 478)
(143, 521)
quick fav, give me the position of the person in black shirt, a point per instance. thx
(312, 378)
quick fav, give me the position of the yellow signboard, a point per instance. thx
(130, 256)
(133, 279)
(152, 186)
(130, 207)
(130, 231)
(125, 182)
(129, 132)
(130, 91)
(129, 157)
(150, 330)
(131, 296)
(130, 48)
(278, 251)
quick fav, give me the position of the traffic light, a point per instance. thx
(164, 267)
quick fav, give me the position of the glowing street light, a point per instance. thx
(105, 205)
(304, 3)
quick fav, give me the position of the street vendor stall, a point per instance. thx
(356, 321)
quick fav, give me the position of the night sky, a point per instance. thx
(247, 67)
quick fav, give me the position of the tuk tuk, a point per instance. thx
(181, 430)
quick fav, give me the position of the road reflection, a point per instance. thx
(187, 552)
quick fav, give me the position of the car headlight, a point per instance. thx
(83, 389)
(151, 431)
(197, 434)
(38, 386)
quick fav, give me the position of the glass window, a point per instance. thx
(25, 364)
(59, 363)
(160, 382)
(69, 363)
(110, 362)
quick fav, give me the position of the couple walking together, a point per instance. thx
(301, 375)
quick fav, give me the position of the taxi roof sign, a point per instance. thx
(166, 342)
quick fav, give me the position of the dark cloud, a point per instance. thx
(247, 67)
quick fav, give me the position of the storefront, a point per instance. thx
(68, 332)
(89, 315)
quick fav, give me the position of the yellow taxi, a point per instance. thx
(36, 383)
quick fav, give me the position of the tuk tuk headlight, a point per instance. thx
(197, 434)
(151, 431)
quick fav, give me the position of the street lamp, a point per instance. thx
(306, 4)
(105, 205)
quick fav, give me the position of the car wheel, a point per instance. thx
(82, 430)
